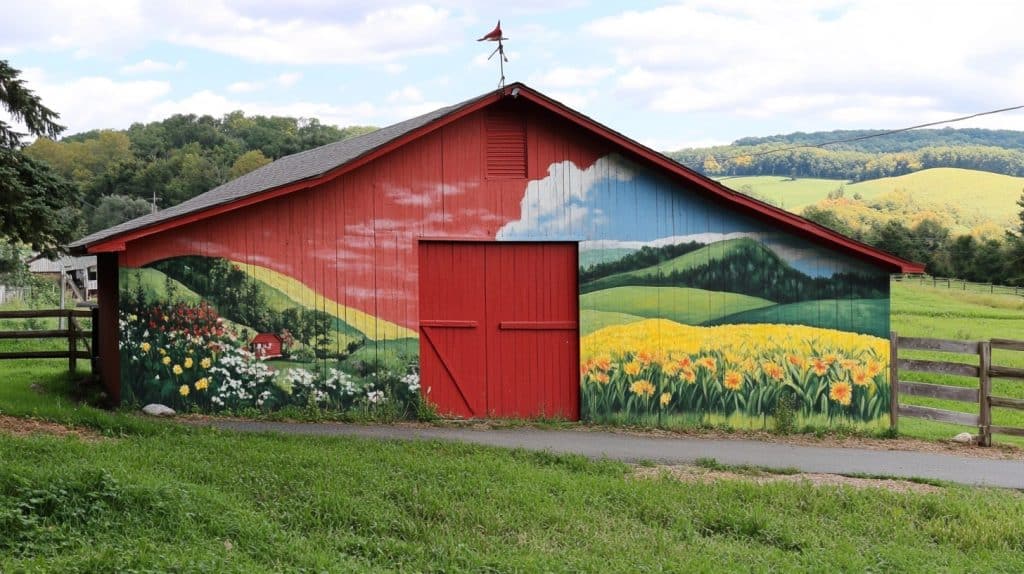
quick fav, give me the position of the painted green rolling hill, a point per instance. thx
(703, 256)
(869, 316)
(680, 304)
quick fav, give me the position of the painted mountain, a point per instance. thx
(739, 280)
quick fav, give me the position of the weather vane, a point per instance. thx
(495, 36)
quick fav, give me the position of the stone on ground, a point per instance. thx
(158, 410)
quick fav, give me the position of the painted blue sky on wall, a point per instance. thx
(615, 204)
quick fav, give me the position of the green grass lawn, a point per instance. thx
(921, 311)
(159, 497)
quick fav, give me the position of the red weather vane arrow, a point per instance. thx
(495, 35)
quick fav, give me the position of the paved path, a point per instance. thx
(677, 450)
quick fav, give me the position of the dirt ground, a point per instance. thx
(18, 426)
(696, 474)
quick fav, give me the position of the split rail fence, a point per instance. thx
(982, 396)
(72, 331)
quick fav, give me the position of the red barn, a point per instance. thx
(266, 345)
(508, 256)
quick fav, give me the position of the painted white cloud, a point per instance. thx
(289, 79)
(554, 207)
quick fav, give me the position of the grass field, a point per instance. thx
(159, 497)
(680, 304)
(790, 194)
(992, 196)
(919, 311)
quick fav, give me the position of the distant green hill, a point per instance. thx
(680, 304)
(976, 196)
(992, 196)
(904, 141)
(869, 316)
(785, 192)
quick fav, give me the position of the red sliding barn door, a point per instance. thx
(498, 328)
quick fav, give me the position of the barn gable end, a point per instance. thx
(690, 302)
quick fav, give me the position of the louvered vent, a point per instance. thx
(506, 145)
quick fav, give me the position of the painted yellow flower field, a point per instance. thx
(658, 366)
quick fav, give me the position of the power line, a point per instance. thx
(869, 136)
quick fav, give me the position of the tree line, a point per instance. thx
(852, 165)
(120, 173)
(993, 257)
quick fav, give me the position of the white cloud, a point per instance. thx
(551, 208)
(289, 79)
(375, 36)
(148, 66)
(570, 77)
(84, 28)
(208, 102)
(245, 87)
(95, 101)
(862, 63)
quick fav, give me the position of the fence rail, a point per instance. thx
(73, 332)
(959, 284)
(981, 396)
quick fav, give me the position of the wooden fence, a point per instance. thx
(73, 333)
(985, 371)
(958, 284)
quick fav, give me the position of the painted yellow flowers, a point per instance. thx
(642, 388)
(145, 347)
(202, 384)
(733, 381)
(188, 362)
(166, 360)
(176, 369)
(205, 363)
(657, 365)
(841, 392)
(183, 390)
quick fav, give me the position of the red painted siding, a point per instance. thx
(498, 328)
(353, 239)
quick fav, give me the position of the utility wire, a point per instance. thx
(869, 136)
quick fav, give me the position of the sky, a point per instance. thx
(668, 74)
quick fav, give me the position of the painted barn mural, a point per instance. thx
(689, 312)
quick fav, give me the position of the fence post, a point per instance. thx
(985, 383)
(72, 345)
(894, 382)
(94, 347)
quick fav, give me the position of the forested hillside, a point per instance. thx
(119, 172)
(997, 151)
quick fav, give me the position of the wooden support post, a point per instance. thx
(985, 396)
(72, 345)
(95, 347)
(894, 382)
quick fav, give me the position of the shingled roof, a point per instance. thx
(289, 169)
(288, 174)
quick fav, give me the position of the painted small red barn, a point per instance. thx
(516, 258)
(266, 345)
